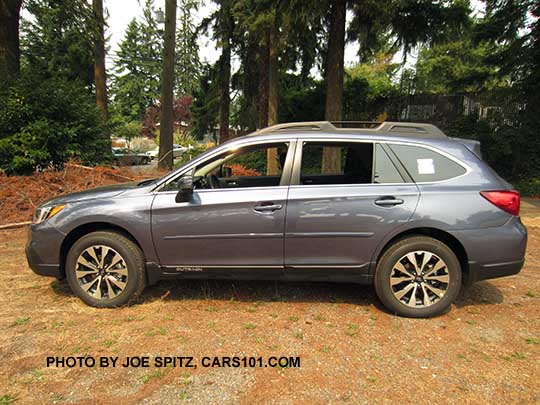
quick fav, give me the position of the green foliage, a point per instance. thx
(128, 130)
(48, 114)
(456, 67)
(188, 65)
(57, 40)
(205, 106)
(137, 68)
(46, 122)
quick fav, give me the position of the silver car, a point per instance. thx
(399, 205)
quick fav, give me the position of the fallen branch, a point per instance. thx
(118, 176)
(15, 225)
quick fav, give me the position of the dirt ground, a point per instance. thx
(485, 350)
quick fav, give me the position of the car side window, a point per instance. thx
(426, 165)
(336, 163)
(258, 165)
(385, 172)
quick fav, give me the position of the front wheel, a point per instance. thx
(105, 269)
(418, 277)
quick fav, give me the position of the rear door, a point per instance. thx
(345, 197)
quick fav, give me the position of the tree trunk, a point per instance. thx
(264, 49)
(10, 54)
(167, 84)
(100, 76)
(272, 168)
(224, 97)
(334, 80)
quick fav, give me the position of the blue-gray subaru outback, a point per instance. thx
(399, 205)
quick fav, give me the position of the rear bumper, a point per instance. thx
(494, 252)
(479, 272)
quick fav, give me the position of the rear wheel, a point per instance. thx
(105, 269)
(418, 277)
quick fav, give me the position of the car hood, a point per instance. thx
(94, 193)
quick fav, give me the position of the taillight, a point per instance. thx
(507, 200)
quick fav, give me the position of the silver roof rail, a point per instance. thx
(410, 129)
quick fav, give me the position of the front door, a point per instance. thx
(348, 196)
(234, 221)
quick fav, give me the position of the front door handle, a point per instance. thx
(388, 201)
(268, 207)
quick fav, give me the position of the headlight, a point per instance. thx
(43, 213)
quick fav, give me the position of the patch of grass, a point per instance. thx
(7, 399)
(533, 341)
(168, 318)
(461, 356)
(211, 308)
(515, 356)
(156, 375)
(294, 318)
(183, 396)
(132, 318)
(273, 315)
(211, 324)
(162, 331)
(371, 380)
(251, 309)
(373, 317)
(325, 349)
(530, 294)
(23, 320)
(109, 342)
(319, 317)
(57, 397)
(299, 335)
(470, 322)
(37, 373)
(352, 329)
(250, 326)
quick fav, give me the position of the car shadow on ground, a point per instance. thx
(481, 293)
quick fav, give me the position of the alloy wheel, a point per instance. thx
(419, 279)
(101, 272)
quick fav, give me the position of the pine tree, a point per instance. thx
(188, 65)
(137, 67)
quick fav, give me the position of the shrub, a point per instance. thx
(45, 122)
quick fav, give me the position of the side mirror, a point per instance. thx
(185, 185)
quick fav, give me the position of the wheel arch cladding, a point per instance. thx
(449, 240)
(76, 233)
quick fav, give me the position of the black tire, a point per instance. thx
(436, 305)
(132, 257)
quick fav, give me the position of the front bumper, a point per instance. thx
(43, 250)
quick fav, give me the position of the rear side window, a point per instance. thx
(425, 165)
(385, 172)
(346, 163)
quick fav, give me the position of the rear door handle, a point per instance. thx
(268, 207)
(388, 201)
